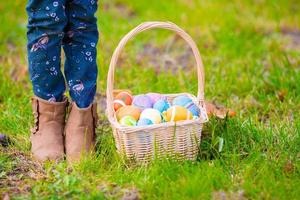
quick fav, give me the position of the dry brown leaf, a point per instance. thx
(289, 167)
(218, 111)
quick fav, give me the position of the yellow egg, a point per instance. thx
(178, 113)
(132, 111)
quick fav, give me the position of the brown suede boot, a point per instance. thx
(47, 134)
(80, 131)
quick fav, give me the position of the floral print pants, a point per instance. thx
(67, 24)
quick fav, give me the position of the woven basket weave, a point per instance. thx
(178, 140)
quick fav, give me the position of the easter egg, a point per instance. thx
(195, 117)
(128, 121)
(133, 111)
(151, 114)
(181, 100)
(193, 109)
(117, 91)
(142, 101)
(188, 103)
(122, 99)
(155, 97)
(161, 105)
(178, 113)
(144, 122)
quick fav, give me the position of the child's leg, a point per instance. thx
(81, 73)
(80, 48)
(46, 23)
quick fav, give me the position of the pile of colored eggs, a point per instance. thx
(153, 108)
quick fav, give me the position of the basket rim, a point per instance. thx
(129, 129)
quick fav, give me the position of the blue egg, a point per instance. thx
(144, 122)
(161, 105)
(187, 103)
(182, 101)
(193, 109)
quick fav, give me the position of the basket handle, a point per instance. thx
(143, 27)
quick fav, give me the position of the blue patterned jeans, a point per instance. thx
(67, 24)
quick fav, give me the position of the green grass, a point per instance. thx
(250, 67)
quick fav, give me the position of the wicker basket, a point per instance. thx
(177, 140)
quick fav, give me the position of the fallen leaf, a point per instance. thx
(219, 111)
(289, 167)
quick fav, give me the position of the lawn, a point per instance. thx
(251, 54)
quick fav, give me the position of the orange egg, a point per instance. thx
(178, 113)
(132, 111)
(122, 99)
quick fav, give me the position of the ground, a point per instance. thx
(251, 53)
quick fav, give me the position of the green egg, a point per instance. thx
(128, 121)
